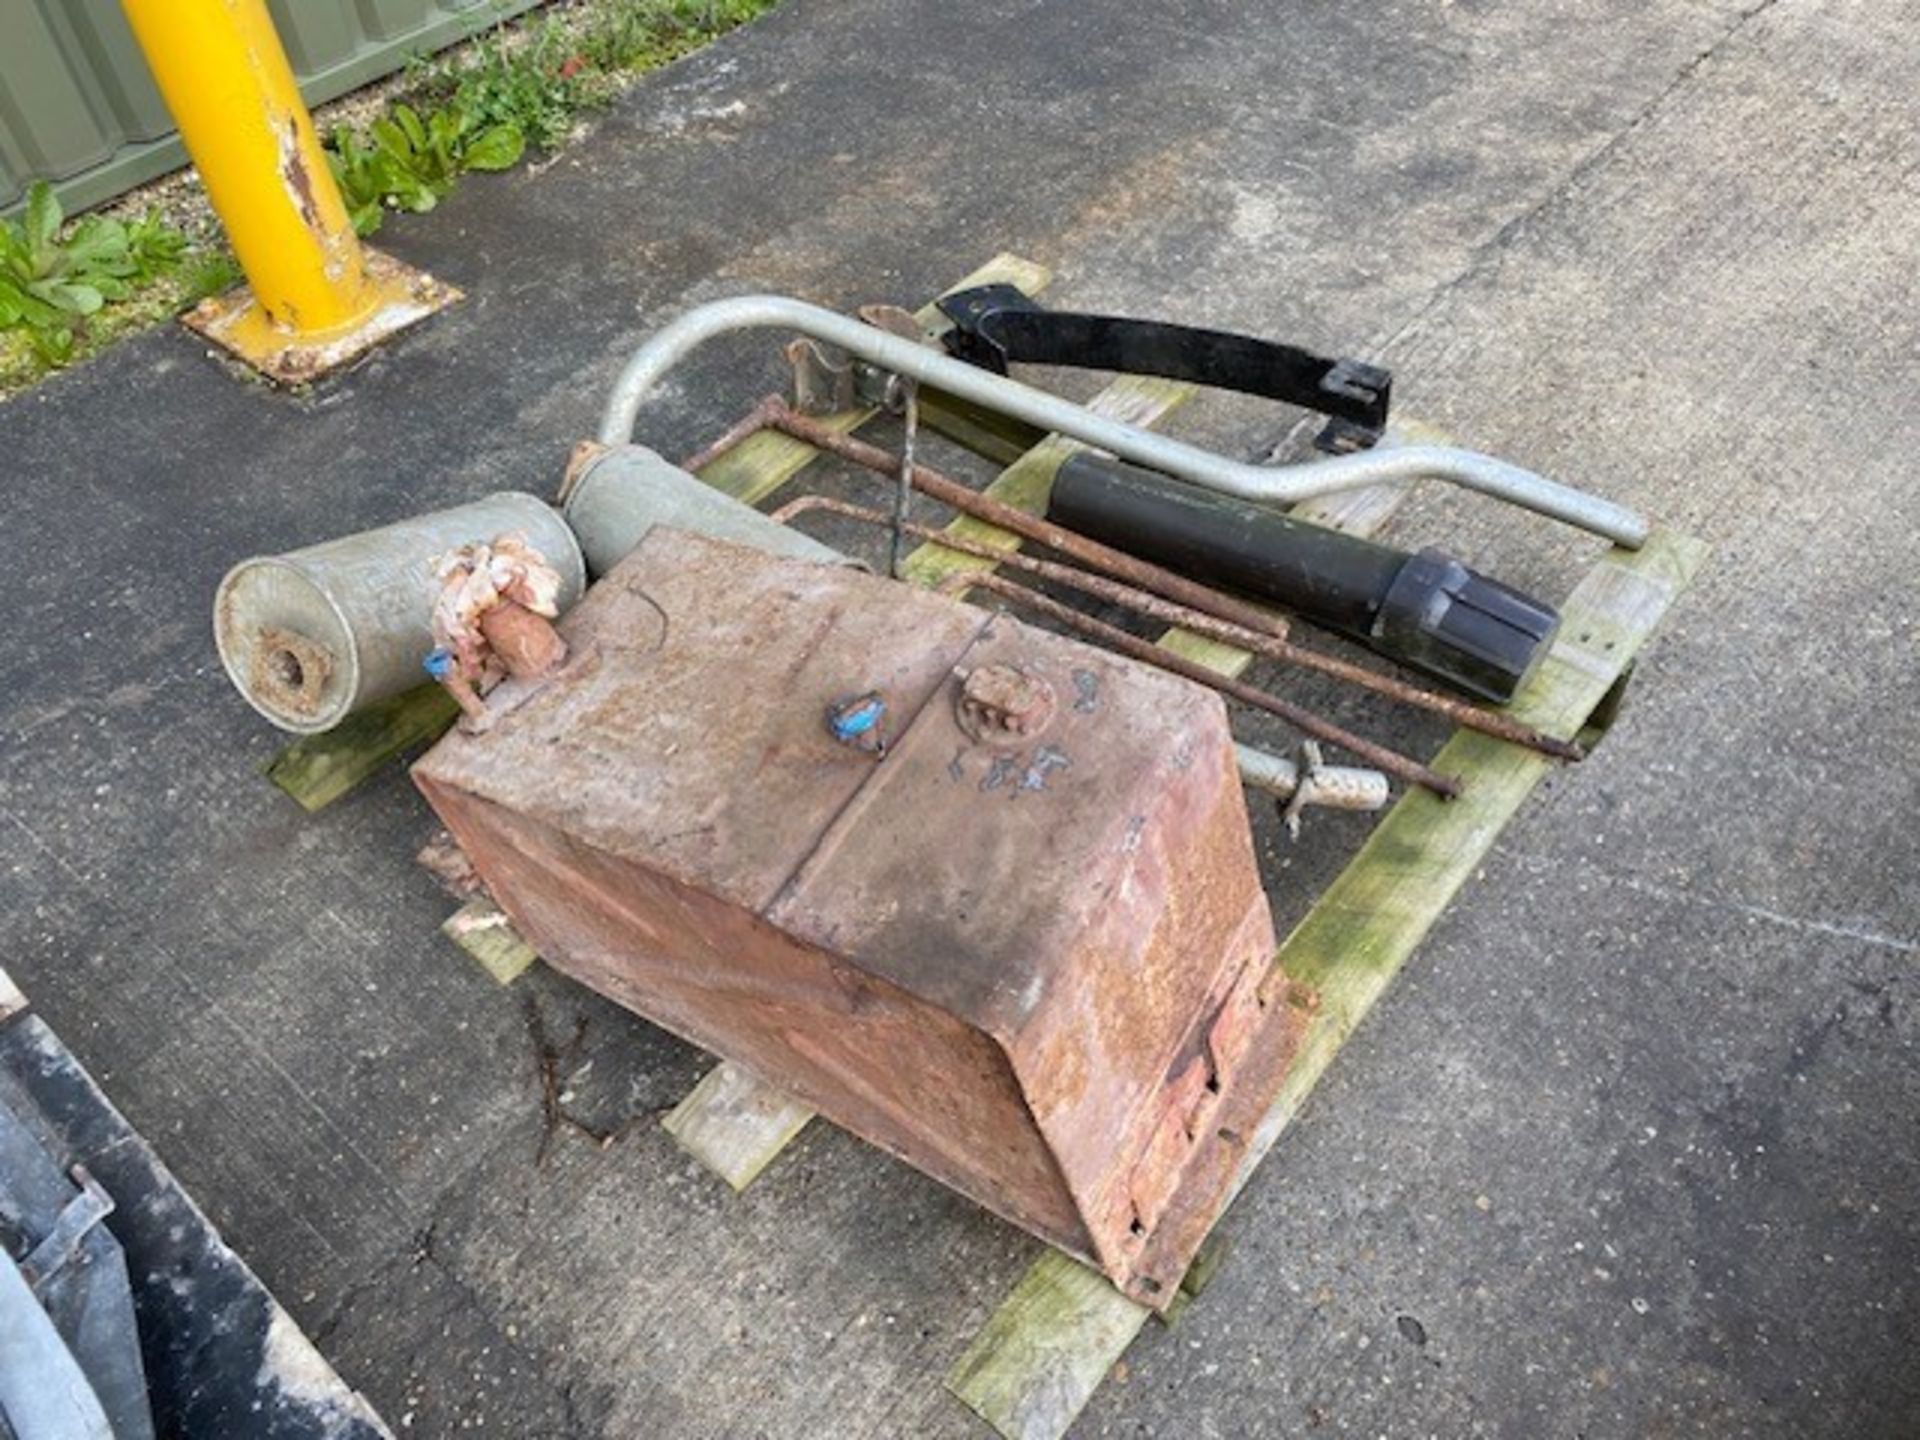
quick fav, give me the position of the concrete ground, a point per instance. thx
(1631, 1148)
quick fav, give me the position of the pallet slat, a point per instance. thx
(735, 1123)
(1349, 947)
(317, 770)
(482, 929)
(1038, 1361)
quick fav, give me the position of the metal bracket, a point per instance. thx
(62, 1242)
(994, 325)
(827, 380)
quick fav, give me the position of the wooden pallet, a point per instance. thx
(1041, 1356)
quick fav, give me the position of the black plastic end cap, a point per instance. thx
(1462, 627)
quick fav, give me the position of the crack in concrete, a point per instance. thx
(1762, 913)
(1510, 230)
(1746, 909)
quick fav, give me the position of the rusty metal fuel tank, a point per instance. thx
(1022, 945)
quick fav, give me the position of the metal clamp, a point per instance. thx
(996, 324)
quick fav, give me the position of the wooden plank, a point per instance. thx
(988, 433)
(735, 1123)
(483, 930)
(761, 464)
(12, 1001)
(1066, 1322)
(1032, 1360)
(1046, 1349)
(319, 769)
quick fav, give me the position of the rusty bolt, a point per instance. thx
(999, 702)
(526, 642)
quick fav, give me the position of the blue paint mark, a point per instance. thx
(1086, 684)
(857, 722)
(999, 772)
(1046, 760)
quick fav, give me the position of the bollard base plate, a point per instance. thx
(402, 296)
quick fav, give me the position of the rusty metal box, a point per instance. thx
(1036, 965)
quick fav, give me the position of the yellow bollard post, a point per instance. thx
(315, 297)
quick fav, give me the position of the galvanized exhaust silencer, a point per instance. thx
(614, 495)
(310, 636)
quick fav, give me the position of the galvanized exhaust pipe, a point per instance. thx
(1284, 485)
(614, 495)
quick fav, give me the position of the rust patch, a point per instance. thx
(526, 643)
(293, 166)
(999, 703)
(579, 460)
(291, 669)
(443, 859)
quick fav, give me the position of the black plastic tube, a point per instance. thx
(1427, 611)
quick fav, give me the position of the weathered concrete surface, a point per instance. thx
(1630, 1150)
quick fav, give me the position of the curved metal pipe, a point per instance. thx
(1282, 486)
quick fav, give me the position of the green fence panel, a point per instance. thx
(78, 108)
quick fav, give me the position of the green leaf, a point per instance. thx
(412, 192)
(156, 247)
(444, 127)
(392, 140)
(29, 308)
(204, 273)
(96, 243)
(408, 119)
(42, 219)
(74, 298)
(367, 217)
(496, 148)
(54, 346)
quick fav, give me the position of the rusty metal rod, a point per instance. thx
(1270, 631)
(1471, 717)
(1447, 787)
(1101, 587)
(747, 426)
(774, 413)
